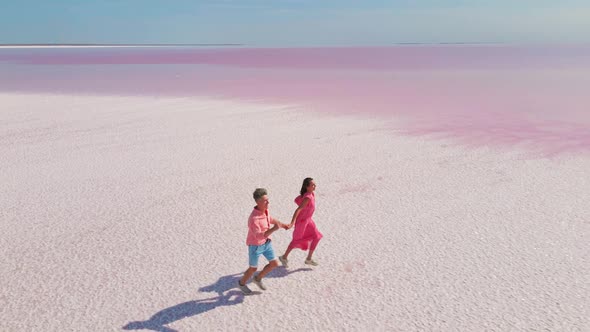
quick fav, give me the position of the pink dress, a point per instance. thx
(305, 229)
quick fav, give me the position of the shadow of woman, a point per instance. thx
(226, 296)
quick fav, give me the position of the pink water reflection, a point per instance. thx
(477, 95)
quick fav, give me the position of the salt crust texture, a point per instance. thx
(129, 213)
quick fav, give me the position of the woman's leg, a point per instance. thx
(313, 245)
(289, 248)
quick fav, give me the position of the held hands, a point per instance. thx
(279, 224)
(283, 226)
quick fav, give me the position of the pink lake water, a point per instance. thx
(502, 96)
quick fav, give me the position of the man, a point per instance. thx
(259, 242)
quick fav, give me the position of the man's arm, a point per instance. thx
(278, 223)
(257, 230)
(271, 230)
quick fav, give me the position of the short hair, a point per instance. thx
(259, 192)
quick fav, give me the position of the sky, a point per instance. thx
(294, 22)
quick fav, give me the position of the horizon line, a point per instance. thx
(231, 44)
(115, 44)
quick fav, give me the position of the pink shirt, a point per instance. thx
(258, 223)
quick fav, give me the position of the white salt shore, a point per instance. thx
(129, 213)
(77, 46)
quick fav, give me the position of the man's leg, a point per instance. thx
(247, 275)
(269, 254)
(267, 268)
(253, 253)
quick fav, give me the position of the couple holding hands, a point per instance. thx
(305, 236)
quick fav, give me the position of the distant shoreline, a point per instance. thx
(111, 45)
(459, 43)
(16, 46)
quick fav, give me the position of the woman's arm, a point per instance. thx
(296, 213)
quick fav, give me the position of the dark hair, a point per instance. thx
(305, 185)
(259, 192)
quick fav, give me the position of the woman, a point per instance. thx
(306, 235)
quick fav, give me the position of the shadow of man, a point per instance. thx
(222, 285)
(226, 296)
(183, 310)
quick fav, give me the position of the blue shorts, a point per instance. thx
(264, 249)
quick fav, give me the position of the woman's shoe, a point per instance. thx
(311, 262)
(284, 261)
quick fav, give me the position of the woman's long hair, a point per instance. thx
(305, 185)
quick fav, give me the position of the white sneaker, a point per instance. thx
(311, 262)
(284, 261)
(259, 283)
(245, 289)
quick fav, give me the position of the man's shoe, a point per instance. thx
(245, 289)
(259, 283)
